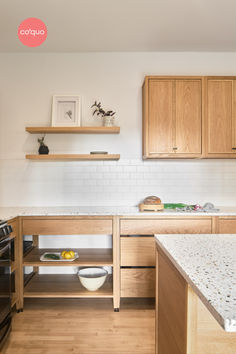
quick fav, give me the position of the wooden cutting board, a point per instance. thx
(151, 207)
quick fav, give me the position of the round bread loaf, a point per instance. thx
(152, 200)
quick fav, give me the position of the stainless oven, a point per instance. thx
(5, 281)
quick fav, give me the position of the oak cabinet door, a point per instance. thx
(188, 117)
(160, 119)
(172, 117)
(221, 104)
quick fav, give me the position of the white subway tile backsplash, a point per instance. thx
(129, 168)
(103, 168)
(125, 182)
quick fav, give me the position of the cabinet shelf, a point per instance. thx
(73, 130)
(64, 286)
(81, 157)
(87, 257)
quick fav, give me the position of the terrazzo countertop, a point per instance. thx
(208, 264)
(7, 213)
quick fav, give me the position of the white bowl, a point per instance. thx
(92, 278)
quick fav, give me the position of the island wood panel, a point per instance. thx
(188, 117)
(194, 225)
(64, 226)
(137, 251)
(87, 257)
(227, 225)
(220, 114)
(137, 282)
(209, 337)
(171, 309)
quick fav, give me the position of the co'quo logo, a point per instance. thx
(32, 32)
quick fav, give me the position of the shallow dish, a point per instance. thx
(92, 278)
(43, 259)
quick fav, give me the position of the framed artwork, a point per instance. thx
(66, 111)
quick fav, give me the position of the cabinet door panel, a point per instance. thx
(138, 282)
(160, 122)
(188, 116)
(137, 251)
(220, 113)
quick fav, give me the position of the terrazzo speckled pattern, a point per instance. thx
(208, 264)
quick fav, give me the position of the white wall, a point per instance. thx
(27, 83)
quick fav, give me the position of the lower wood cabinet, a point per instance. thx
(137, 246)
(136, 282)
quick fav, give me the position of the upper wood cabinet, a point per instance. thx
(172, 117)
(220, 114)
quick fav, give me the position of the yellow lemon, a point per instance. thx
(62, 253)
(67, 255)
(72, 253)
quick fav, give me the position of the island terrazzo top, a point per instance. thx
(7, 213)
(208, 264)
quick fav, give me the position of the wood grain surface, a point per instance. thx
(83, 326)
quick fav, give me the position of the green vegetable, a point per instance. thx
(52, 256)
(176, 205)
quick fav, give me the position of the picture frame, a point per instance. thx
(66, 110)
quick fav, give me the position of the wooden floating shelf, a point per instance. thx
(73, 130)
(64, 286)
(87, 257)
(80, 157)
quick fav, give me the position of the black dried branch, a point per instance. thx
(100, 111)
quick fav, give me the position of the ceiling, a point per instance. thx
(123, 25)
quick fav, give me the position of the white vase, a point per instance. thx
(108, 121)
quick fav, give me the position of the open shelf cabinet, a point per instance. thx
(73, 130)
(39, 285)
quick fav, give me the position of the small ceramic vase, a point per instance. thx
(108, 121)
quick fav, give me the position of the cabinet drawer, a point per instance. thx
(227, 226)
(137, 251)
(193, 225)
(138, 282)
(66, 227)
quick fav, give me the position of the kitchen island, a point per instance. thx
(196, 294)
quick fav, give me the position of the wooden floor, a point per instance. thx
(83, 326)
